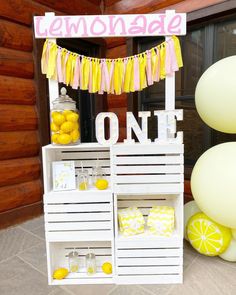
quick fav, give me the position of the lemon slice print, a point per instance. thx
(206, 236)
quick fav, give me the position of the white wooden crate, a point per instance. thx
(78, 216)
(89, 154)
(58, 257)
(146, 258)
(147, 168)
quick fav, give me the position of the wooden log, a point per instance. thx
(16, 63)
(17, 91)
(18, 117)
(14, 196)
(117, 101)
(137, 6)
(187, 187)
(19, 170)
(18, 144)
(15, 36)
(22, 11)
(19, 215)
(73, 6)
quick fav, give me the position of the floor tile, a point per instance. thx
(59, 291)
(207, 276)
(129, 290)
(189, 255)
(36, 256)
(22, 279)
(89, 289)
(15, 240)
(40, 232)
(33, 223)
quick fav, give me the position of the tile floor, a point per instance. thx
(23, 270)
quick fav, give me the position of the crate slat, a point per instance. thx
(147, 149)
(131, 179)
(149, 160)
(152, 252)
(148, 270)
(148, 169)
(97, 225)
(169, 188)
(96, 207)
(57, 217)
(135, 261)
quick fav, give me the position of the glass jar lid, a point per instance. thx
(64, 101)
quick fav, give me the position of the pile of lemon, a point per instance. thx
(64, 127)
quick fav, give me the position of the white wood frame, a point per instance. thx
(138, 174)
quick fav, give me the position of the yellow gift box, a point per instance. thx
(161, 220)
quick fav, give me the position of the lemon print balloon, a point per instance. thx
(206, 236)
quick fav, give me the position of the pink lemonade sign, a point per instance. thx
(76, 26)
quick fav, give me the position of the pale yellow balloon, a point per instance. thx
(233, 230)
(215, 95)
(213, 183)
(190, 209)
(230, 253)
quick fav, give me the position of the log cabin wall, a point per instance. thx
(20, 144)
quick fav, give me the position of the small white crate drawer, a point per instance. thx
(79, 215)
(59, 258)
(147, 265)
(139, 168)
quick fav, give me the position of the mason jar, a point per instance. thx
(64, 117)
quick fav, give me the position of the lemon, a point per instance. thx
(58, 118)
(67, 112)
(54, 113)
(76, 126)
(107, 268)
(54, 127)
(206, 236)
(54, 138)
(72, 117)
(67, 127)
(60, 273)
(101, 184)
(64, 138)
(90, 270)
(75, 135)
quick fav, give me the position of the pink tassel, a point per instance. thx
(174, 64)
(157, 75)
(59, 69)
(123, 78)
(149, 68)
(64, 67)
(168, 61)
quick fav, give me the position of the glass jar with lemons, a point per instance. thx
(65, 128)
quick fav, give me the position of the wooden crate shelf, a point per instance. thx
(139, 175)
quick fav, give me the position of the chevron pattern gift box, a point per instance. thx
(131, 221)
(161, 220)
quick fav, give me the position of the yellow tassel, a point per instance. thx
(162, 61)
(44, 64)
(178, 51)
(52, 61)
